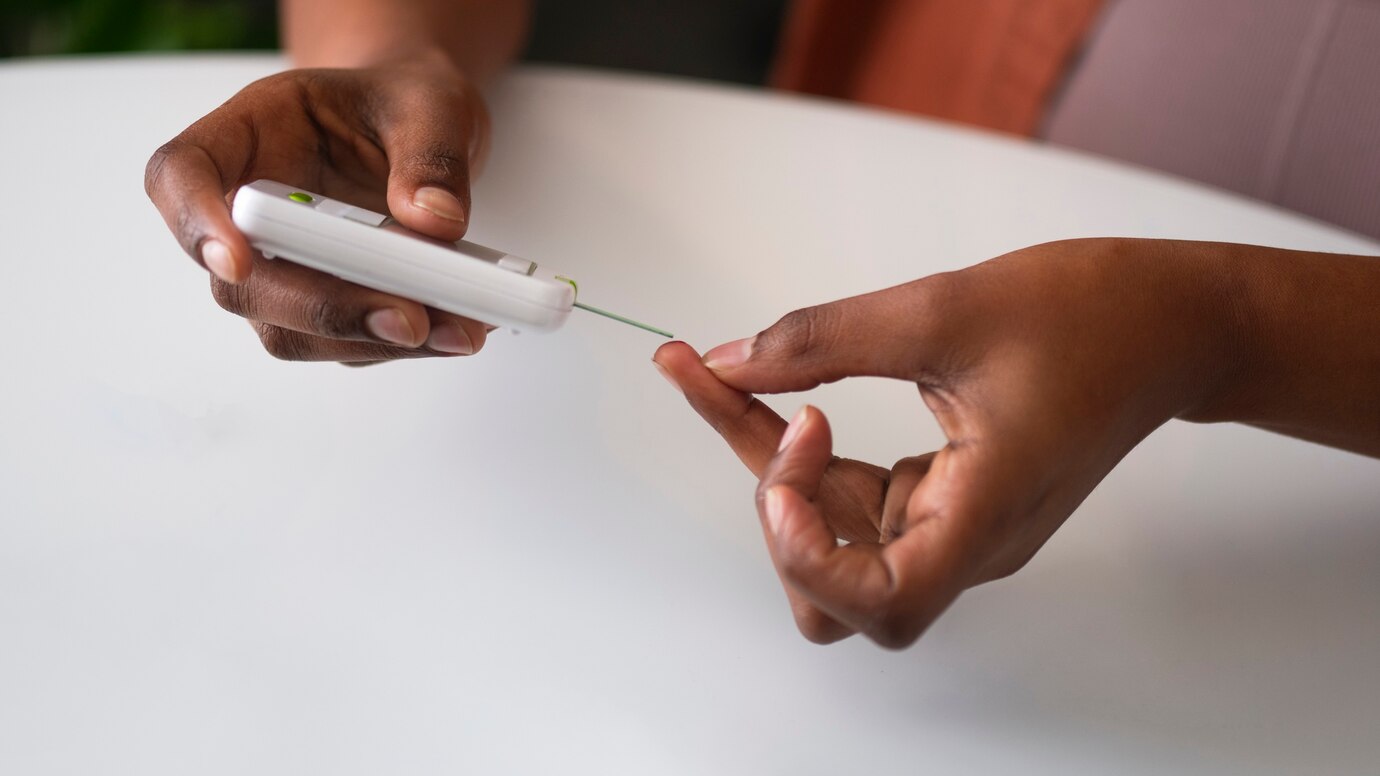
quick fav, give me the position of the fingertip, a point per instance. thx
(793, 429)
(669, 350)
(675, 354)
(774, 509)
(222, 261)
(679, 364)
(392, 325)
(440, 203)
(455, 335)
(433, 211)
(707, 394)
(729, 355)
(818, 424)
(807, 432)
(479, 334)
(670, 378)
(452, 338)
(818, 627)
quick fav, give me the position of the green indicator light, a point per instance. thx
(298, 196)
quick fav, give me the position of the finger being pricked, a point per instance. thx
(283, 295)
(890, 593)
(750, 427)
(754, 432)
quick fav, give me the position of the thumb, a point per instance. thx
(881, 334)
(429, 162)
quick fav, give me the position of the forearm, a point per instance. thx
(481, 37)
(1304, 348)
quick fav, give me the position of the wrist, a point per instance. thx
(1228, 283)
(377, 54)
(429, 57)
(1180, 313)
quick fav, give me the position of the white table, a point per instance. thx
(539, 560)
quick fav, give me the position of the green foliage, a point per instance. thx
(88, 26)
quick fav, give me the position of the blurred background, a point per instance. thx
(730, 40)
(1271, 99)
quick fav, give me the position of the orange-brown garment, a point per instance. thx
(992, 63)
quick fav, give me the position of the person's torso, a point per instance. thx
(729, 40)
(1276, 99)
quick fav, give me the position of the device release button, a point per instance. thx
(333, 207)
(514, 264)
(367, 217)
(298, 196)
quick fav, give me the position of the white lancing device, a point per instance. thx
(370, 249)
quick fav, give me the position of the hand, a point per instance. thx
(1043, 367)
(400, 138)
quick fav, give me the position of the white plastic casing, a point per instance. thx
(365, 247)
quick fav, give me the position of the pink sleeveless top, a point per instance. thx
(1275, 99)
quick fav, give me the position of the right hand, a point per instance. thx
(399, 138)
(1043, 368)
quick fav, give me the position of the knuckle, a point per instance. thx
(157, 164)
(760, 495)
(895, 631)
(327, 319)
(439, 161)
(795, 566)
(161, 187)
(231, 298)
(283, 344)
(186, 228)
(288, 84)
(936, 289)
(817, 628)
(799, 333)
(1007, 566)
(932, 300)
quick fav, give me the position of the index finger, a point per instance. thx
(751, 428)
(753, 431)
(187, 179)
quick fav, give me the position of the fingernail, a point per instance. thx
(216, 256)
(390, 325)
(450, 338)
(439, 202)
(666, 373)
(775, 509)
(729, 355)
(793, 430)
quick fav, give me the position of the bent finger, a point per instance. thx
(187, 180)
(754, 432)
(751, 428)
(291, 296)
(840, 582)
(289, 345)
(803, 457)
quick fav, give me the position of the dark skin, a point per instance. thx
(386, 114)
(1044, 368)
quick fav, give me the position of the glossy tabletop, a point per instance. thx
(539, 560)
